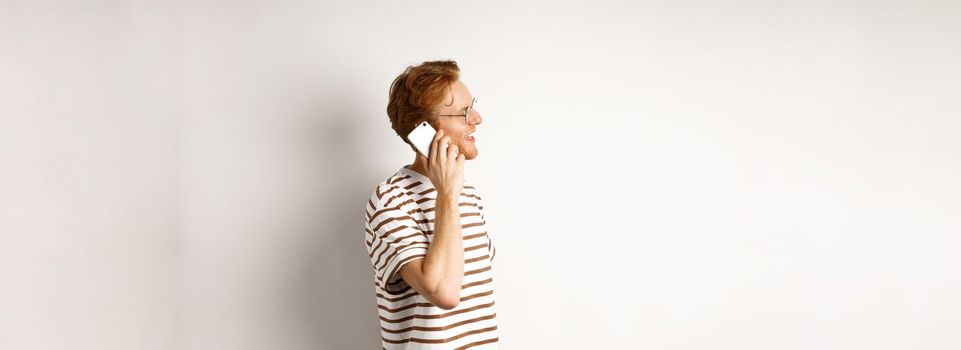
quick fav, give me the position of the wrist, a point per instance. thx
(447, 198)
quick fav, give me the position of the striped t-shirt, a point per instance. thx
(399, 229)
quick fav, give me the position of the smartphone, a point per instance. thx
(421, 138)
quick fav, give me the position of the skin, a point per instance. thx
(453, 127)
(440, 275)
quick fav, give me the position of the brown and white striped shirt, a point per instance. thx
(399, 229)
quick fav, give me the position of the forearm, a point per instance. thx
(444, 264)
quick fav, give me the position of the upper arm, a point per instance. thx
(398, 247)
(395, 241)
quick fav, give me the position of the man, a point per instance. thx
(425, 230)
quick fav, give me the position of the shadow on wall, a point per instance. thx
(333, 295)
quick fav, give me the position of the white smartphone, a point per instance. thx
(421, 138)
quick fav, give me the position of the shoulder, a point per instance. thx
(391, 192)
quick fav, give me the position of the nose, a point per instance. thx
(475, 117)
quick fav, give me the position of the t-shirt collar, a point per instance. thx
(415, 175)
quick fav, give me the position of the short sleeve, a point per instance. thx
(393, 238)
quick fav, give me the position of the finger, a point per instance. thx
(442, 149)
(460, 160)
(433, 146)
(453, 151)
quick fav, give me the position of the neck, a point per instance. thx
(420, 165)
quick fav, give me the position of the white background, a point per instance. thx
(659, 175)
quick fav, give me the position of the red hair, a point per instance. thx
(416, 94)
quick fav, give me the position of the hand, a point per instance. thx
(445, 166)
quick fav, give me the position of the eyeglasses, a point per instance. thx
(466, 114)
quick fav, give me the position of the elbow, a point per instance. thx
(447, 300)
(448, 303)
